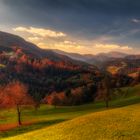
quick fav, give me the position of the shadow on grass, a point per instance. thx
(93, 107)
(125, 102)
(28, 128)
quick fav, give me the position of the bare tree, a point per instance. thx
(105, 89)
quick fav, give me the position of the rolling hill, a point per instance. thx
(43, 71)
(113, 61)
(9, 42)
(122, 123)
(128, 65)
(45, 123)
(13, 45)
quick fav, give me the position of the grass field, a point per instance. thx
(40, 123)
(114, 124)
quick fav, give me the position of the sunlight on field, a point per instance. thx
(44, 121)
(122, 123)
(133, 75)
(2, 66)
(113, 69)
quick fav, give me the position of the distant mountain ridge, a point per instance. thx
(113, 54)
(133, 57)
(11, 43)
(94, 59)
(48, 71)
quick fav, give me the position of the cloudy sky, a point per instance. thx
(83, 26)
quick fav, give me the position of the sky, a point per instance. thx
(79, 26)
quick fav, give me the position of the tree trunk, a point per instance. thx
(107, 97)
(107, 103)
(19, 115)
(37, 106)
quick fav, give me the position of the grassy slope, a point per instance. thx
(48, 115)
(122, 123)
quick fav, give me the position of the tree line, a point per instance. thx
(16, 94)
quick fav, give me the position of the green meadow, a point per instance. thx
(90, 121)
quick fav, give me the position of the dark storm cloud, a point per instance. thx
(113, 6)
(90, 18)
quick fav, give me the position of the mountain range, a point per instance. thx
(44, 71)
(14, 43)
(47, 71)
(10, 42)
(94, 59)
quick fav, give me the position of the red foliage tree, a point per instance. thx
(15, 95)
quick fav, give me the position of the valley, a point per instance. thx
(69, 69)
(62, 90)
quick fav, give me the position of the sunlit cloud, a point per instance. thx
(74, 47)
(68, 46)
(112, 47)
(69, 42)
(35, 39)
(42, 45)
(43, 38)
(126, 48)
(40, 32)
(107, 46)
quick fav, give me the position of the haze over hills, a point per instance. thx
(114, 62)
(43, 70)
(10, 41)
(102, 60)
(26, 62)
(93, 59)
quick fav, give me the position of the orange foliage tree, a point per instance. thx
(52, 99)
(15, 94)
